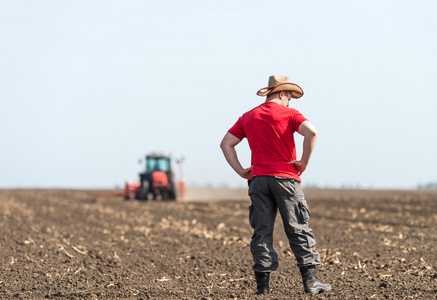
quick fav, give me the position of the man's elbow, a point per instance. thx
(224, 144)
(314, 132)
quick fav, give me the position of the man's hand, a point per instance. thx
(300, 167)
(246, 173)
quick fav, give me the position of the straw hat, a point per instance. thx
(279, 83)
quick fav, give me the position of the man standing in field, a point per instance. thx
(274, 180)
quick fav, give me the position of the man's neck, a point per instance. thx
(274, 100)
(278, 101)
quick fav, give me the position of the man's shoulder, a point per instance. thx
(292, 110)
(284, 111)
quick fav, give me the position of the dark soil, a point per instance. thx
(58, 244)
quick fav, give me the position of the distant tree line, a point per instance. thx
(428, 186)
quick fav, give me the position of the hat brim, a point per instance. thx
(282, 87)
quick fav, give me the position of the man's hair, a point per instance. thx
(275, 94)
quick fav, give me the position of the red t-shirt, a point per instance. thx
(269, 129)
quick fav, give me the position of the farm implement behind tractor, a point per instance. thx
(156, 182)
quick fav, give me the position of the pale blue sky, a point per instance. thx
(89, 87)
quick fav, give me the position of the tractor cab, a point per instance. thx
(157, 163)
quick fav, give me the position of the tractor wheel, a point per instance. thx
(144, 190)
(171, 195)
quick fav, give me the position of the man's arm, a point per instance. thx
(309, 133)
(228, 147)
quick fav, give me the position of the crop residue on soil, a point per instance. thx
(59, 244)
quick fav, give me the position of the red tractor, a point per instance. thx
(157, 181)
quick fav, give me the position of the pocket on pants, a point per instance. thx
(304, 212)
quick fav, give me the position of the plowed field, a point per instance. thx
(58, 244)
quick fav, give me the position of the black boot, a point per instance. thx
(262, 283)
(311, 283)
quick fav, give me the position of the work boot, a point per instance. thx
(311, 283)
(262, 283)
